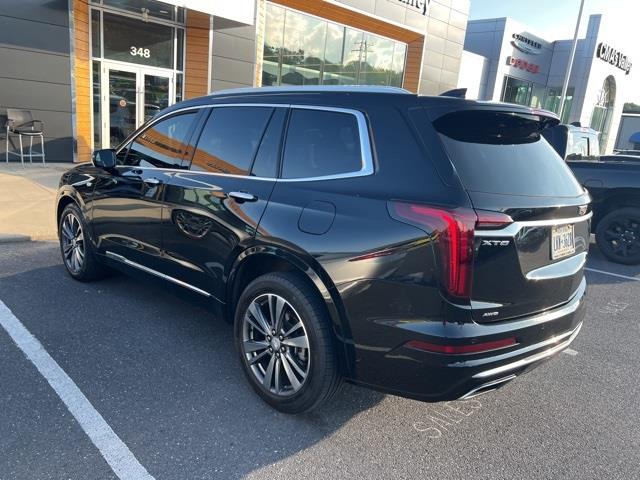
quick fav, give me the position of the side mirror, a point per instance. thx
(104, 158)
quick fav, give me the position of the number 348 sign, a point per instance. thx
(139, 52)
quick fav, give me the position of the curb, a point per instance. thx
(15, 238)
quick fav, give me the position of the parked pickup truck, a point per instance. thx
(614, 184)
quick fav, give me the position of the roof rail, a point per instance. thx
(314, 88)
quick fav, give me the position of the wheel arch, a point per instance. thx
(258, 260)
(65, 197)
(615, 199)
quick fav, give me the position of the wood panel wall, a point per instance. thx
(413, 65)
(81, 82)
(197, 61)
(336, 13)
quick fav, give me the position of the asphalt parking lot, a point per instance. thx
(161, 373)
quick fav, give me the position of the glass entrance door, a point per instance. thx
(132, 95)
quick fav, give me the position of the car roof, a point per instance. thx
(346, 96)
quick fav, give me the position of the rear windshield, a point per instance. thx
(504, 153)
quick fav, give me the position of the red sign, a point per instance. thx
(523, 64)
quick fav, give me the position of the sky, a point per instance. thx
(556, 20)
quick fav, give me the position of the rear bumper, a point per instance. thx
(435, 377)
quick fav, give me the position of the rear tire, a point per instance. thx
(296, 369)
(618, 235)
(78, 255)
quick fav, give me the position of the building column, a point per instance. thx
(80, 81)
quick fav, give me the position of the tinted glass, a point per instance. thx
(153, 8)
(230, 139)
(266, 162)
(582, 146)
(134, 41)
(321, 143)
(164, 144)
(504, 153)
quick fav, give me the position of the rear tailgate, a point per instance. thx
(536, 262)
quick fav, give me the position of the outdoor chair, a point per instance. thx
(21, 123)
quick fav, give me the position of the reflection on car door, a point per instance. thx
(127, 206)
(212, 211)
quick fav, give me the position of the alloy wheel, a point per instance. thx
(73, 248)
(275, 345)
(622, 236)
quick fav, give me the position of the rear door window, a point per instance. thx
(230, 139)
(504, 153)
(321, 143)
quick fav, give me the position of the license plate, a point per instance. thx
(563, 242)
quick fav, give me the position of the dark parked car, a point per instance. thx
(614, 184)
(429, 247)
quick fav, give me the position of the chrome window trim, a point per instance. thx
(126, 261)
(512, 229)
(363, 132)
(366, 155)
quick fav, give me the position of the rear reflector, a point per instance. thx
(461, 349)
(453, 231)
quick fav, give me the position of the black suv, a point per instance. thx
(429, 247)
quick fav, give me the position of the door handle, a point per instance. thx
(151, 181)
(243, 196)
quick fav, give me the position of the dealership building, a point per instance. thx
(506, 61)
(94, 70)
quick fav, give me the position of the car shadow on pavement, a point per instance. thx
(163, 373)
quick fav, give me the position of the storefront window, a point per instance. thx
(150, 8)
(136, 69)
(397, 66)
(134, 41)
(303, 50)
(304, 39)
(516, 91)
(603, 111)
(97, 126)
(552, 102)
(377, 58)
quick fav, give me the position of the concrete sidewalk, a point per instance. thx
(27, 195)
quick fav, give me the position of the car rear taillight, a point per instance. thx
(461, 349)
(453, 230)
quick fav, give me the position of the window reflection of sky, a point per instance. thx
(303, 50)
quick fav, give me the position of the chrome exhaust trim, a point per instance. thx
(487, 387)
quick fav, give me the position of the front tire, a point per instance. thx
(283, 338)
(77, 250)
(618, 235)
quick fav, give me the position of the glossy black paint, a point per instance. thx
(188, 225)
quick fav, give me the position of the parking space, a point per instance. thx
(162, 373)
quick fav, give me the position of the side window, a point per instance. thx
(230, 139)
(164, 144)
(321, 143)
(121, 156)
(266, 162)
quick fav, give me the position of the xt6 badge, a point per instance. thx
(495, 243)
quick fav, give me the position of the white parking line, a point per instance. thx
(115, 452)
(604, 272)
